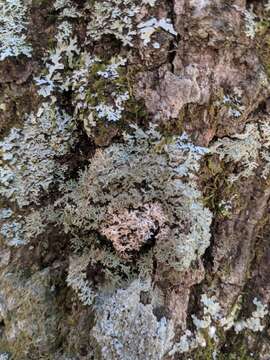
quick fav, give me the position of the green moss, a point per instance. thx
(100, 89)
(215, 185)
(105, 91)
(205, 353)
(234, 349)
(238, 351)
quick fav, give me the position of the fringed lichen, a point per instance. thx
(13, 23)
(137, 203)
(28, 155)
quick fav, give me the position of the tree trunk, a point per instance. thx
(134, 179)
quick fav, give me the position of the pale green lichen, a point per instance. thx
(28, 155)
(67, 9)
(4, 356)
(128, 329)
(123, 213)
(5, 213)
(17, 230)
(243, 148)
(250, 23)
(12, 233)
(92, 100)
(11, 228)
(149, 2)
(132, 195)
(13, 22)
(233, 103)
(77, 279)
(206, 328)
(148, 28)
(100, 87)
(59, 59)
(113, 17)
(254, 322)
(246, 149)
(265, 153)
(118, 18)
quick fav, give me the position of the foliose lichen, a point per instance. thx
(254, 322)
(113, 18)
(213, 322)
(13, 24)
(28, 154)
(100, 90)
(158, 216)
(246, 149)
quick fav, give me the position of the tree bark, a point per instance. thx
(134, 179)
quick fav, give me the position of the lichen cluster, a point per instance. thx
(28, 155)
(59, 63)
(132, 330)
(213, 323)
(136, 202)
(131, 212)
(113, 18)
(13, 24)
(247, 150)
(29, 168)
(232, 102)
(100, 90)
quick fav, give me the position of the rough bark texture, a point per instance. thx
(134, 179)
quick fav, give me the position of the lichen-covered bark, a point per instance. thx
(134, 179)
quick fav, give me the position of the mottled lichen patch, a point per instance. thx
(126, 219)
(112, 17)
(13, 22)
(129, 329)
(210, 330)
(136, 226)
(246, 149)
(28, 155)
(101, 91)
